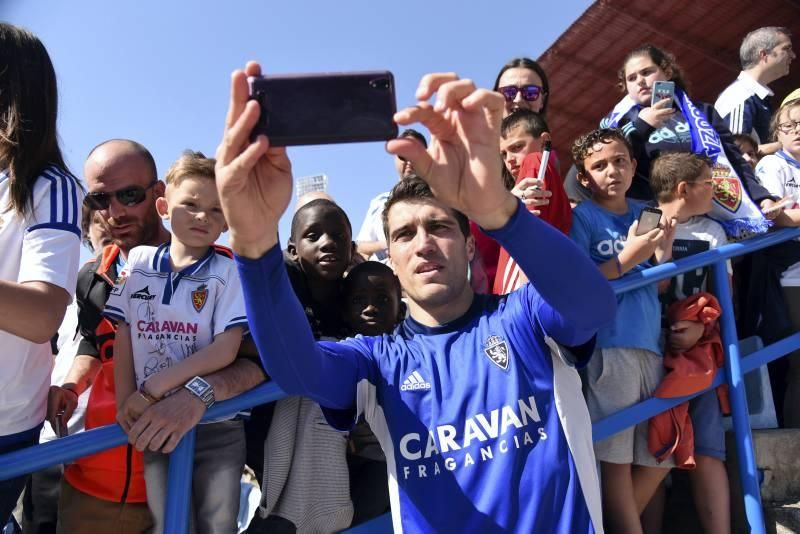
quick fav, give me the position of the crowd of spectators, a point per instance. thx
(154, 328)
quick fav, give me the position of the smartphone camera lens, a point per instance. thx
(380, 84)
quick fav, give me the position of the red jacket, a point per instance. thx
(671, 432)
(557, 213)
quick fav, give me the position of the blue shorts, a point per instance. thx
(709, 434)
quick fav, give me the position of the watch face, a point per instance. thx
(198, 386)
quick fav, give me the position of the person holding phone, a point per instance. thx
(682, 125)
(433, 390)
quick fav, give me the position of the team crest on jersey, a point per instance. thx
(199, 297)
(497, 351)
(727, 189)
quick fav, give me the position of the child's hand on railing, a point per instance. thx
(132, 410)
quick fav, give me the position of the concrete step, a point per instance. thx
(779, 465)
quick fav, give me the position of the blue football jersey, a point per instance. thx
(482, 421)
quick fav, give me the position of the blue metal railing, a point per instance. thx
(180, 469)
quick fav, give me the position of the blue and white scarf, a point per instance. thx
(732, 208)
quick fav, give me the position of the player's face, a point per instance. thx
(107, 171)
(640, 74)
(429, 253)
(323, 243)
(372, 305)
(609, 170)
(193, 209)
(515, 146)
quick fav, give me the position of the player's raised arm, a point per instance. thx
(463, 168)
(255, 186)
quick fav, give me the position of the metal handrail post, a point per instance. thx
(179, 485)
(745, 453)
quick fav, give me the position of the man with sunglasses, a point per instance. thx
(107, 490)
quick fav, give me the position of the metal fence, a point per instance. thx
(180, 465)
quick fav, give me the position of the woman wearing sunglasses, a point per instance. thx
(523, 83)
(40, 208)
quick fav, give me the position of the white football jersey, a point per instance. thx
(42, 246)
(172, 315)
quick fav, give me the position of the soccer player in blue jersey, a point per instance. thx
(474, 398)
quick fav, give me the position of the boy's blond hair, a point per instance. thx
(776, 118)
(190, 164)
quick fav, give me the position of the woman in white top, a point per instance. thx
(40, 205)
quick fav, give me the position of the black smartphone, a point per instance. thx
(663, 90)
(649, 219)
(61, 430)
(317, 109)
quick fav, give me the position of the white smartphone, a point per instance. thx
(785, 203)
(663, 90)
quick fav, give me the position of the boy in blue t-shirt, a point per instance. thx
(627, 365)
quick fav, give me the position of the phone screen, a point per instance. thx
(663, 90)
(312, 109)
(649, 219)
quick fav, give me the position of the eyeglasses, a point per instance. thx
(787, 127)
(530, 92)
(709, 183)
(128, 196)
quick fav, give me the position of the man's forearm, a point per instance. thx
(368, 248)
(240, 376)
(562, 274)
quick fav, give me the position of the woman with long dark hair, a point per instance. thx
(523, 83)
(40, 208)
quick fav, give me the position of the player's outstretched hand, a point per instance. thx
(254, 180)
(462, 164)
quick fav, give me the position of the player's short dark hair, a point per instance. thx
(318, 203)
(672, 168)
(412, 188)
(583, 145)
(411, 132)
(532, 123)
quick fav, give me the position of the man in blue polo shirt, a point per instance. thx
(474, 398)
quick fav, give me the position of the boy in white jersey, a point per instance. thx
(780, 174)
(181, 316)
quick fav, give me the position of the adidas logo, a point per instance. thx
(143, 294)
(414, 382)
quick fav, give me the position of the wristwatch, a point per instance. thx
(202, 390)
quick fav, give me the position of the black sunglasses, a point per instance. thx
(529, 92)
(128, 196)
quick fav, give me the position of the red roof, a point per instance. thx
(703, 35)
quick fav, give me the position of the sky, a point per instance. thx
(159, 72)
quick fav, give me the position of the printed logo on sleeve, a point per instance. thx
(119, 283)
